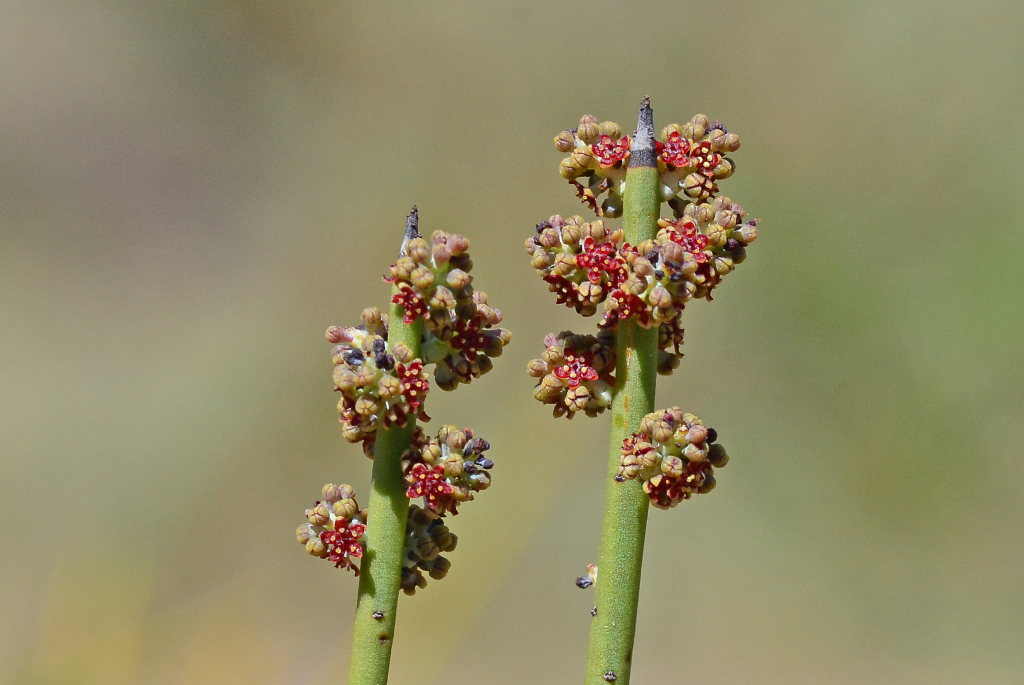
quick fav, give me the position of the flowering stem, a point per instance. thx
(626, 505)
(381, 568)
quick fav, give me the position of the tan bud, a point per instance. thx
(344, 378)
(542, 259)
(402, 353)
(422, 277)
(389, 387)
(565, 142)
(588, 130)
(442, 254)
(611, 129)
(696, 434)
(672, 466)
(403, 268)
(417, 250)
(458, 279)
(345, 509)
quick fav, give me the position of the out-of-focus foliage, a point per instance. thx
(191, 192)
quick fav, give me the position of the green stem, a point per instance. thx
(626, 506)
(381, 567)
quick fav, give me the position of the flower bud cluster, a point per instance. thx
(674, 455)
(587, 264)
(432, 282)
(687, 259)
(445, 471)
(375, 385)
(691, 159)
(426, 536)
(335, 527)
(581, 262)
(575, 372)
(599, 155)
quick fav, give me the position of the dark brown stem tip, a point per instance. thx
(412, 229)
(642, 152)
(412, 224)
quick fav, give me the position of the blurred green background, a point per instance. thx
(193, 191)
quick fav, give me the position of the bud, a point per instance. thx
(442, 254)
(564, 142)
(458, 279)
(417, 250)
(332, 493)
(422, 277)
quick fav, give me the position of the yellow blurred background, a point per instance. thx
(193, 191)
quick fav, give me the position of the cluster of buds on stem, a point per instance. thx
(432, 281)
(376, 386)
(691, 161)
(674, 455)
(426, 536)
(588, 264)
(576, 372)
(446, 470)
(334, 527)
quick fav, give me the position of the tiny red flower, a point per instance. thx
(414, 382)
(665, 491)
(601, 258)
(343, 543)
(629, 446)
(430, 484)
(676, 151)
(609, 151)
(566, 291)
(577, 368)
(630, 305)
(414, 305)
(692, 240)
(468, 339)
(702, 157)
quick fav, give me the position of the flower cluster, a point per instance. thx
(691, 161)
(445, 471)
(587, 264)
(599, 155)
(335, 527)
(426, 536)
(431, 281)
(582, 263)
(674, 455)
(375, 385)
(575, 372)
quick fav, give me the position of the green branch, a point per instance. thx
(626, 506)
(381, 568)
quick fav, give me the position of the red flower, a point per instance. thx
(414, 382)
(666, 492)
(676, 151)
(627, 306)
(343, 543)
(468, 339)
(411, 301)
(704, 159)
(567, 292)
(577, 368)
(609, 151)
(629, 446)
(598, 258)
(430, 484)
(692, 240)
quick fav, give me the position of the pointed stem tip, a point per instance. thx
(412, 229)
(642, 152)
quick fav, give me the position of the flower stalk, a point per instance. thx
(626, 506)
(381, 577)
(436, 319)
(642, 275)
